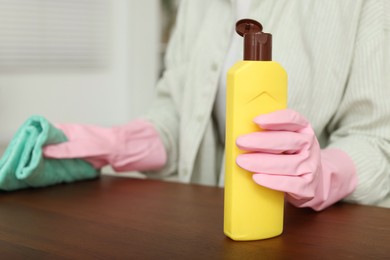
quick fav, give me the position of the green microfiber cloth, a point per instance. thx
(23, 165)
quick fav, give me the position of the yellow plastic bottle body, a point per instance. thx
(251, 212)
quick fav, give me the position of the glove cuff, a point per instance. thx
(338, 180)
(138, 147)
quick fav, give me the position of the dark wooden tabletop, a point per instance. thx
(116, 218)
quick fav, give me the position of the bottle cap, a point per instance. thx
(257, 45)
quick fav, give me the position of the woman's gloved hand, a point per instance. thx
(287, 157)
(132, 147)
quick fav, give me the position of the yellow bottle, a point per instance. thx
(255, 86)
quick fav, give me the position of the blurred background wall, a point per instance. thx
(80, 61)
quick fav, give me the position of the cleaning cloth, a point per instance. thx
(23, 165)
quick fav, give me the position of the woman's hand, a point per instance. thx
(135, 146)
(286, 156)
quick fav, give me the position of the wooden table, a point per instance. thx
(116, 218)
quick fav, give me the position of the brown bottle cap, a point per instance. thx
(257, 45)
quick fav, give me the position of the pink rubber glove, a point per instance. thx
(134, 146)
(288, 158)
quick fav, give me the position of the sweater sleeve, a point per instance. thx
(361, 127)
(164, 112)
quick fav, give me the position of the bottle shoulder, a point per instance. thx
(245, 66)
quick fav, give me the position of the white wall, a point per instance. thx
(111, 95)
